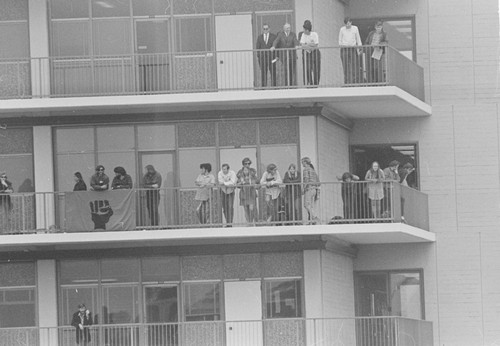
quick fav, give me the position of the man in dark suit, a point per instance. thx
(265, 56)
(287, 40)
(81, 320)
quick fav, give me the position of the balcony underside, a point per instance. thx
(354, 234)
(349, 102)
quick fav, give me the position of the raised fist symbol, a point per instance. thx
(101, 212)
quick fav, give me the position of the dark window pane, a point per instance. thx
(237, 133)
(69, 8)
(193, 35)
(17, 315)
(16, 141)
(161, 269)
(120, 270)
(278, 131)
(79, 272)
(283, 299)
(15, 37)
(202, 301)
(70, 38)
(17, 274)
(14, 10)
(110, 8)
(406, 300)
(112, 37)
(19, 169)
(192, 135)
(151, 7)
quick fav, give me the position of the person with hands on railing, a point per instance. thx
(349, 192)
(287, 41)
(391, 177)
(79, 183)
(82, 320)
(121, 180)
(349, 42)
(375, 177)
(99, 181)
(205, 181)
(374, 63)
(310, 182)
(227, 183)
(152, 182)
(265, 56)
(293, 194)
(271, 181)
(407, 176)
(247, 182)
(5, 202)
(311, 55)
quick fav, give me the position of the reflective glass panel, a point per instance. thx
(406, 300)
(15, 36)
(75, 140)
(79, 272)
(14, 10)
(70, 39)
(160, 269)
(189, 164)
(112, 37)
(110, 8)
(17, 274)
(283, 299)
(154, 137)
(120, 270)
(202, 301)
(17, 308)
(69, 8)
(120, 305)
(72, 296)
(193, 34)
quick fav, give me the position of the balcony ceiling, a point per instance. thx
(351, 102)
(355, 234)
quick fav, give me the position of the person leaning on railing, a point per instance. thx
(349, 192)
(79, 183)
(391, 177)
(375, 177)
(205, 181)
(247, 182)
(99, 181)
(82, 320)
(5, 201)
(121, 180)
(227, 182)
(310, 182)
(152, 182)
(311, 56)
(271, 181)
(293, 194)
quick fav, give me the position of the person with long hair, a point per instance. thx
(79, 183)
(246, 180)
(310, 183)
(205, 181)
(311, 57)
(375, 178)
(293, 195)
(271, 181)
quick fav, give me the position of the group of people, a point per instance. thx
(151, 181)
(282, 195)
(287, 42)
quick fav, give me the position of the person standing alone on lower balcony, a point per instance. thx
(349, 40)
(152, 182)
(82, 320)
(265, 56)
(205, 181)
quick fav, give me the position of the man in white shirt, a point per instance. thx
(349, 39)
(227, 183)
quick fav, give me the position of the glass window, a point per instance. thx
(192, 6)
(72, 296)
(156, 137)
(16, 141)
(189, 164)
(202, 301)
(112, 37)
(19, 169)
(75, 140)
(120, 305)
(161, 269)
(120, 270)
(115, 138)
(406, 300)
(193, 35)
(69, 9)
(17, 274)
(17, 307)
(79, 272)
(70, 38)
(237, 133)
(151, 7)
(68, 164)
(400, 33)
(110, 8)
(282, 156)
(15, 36)
(14, 10)
(283, 298)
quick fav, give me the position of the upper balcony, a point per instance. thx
(390, 87)
(174, 217)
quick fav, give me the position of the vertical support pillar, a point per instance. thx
(39, 47)
(313, 296)
(44, 177)
(47, 302)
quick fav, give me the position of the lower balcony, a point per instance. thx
(358, 331)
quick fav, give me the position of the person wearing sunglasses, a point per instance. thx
(99, 181)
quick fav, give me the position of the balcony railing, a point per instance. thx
(359, 331)
(138, 74)
(174, 208)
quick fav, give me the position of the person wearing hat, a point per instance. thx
(311, 58)
(391, 174)
(99, 181)
(82, 320)
(121, 180)
(152, 182)
(310, 183)
(247, 181)
(271, 181)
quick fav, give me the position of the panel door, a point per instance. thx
(233, 42)
(161, 315)
(243, 303)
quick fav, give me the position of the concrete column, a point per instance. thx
(309, 138)
(44, 176)
(47, 302)
(313, 296)
(39, 47)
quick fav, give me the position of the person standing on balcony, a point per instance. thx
(271, 181)
(375, 177)
(205, 181)
(247, 182)
(293, 195)
(5, 201)
(310, 183)
(227, 183)
(374, 55)
(121, 180)
(311, 55)
(152, 182)
(82, 320)
(407, 176)
(99, 181)
(349, 42)
(287, 41)
(349, 192)
(265, 56)
(391, 177)
(79, 183)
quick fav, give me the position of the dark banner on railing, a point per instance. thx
(104, 210)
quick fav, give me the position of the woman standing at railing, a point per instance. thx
(293, 194)
(311, 57)
(311, 189)
(247, 180)
(79, 183)
(375, 177)
(205, 181)
(374, 55)
(271, 181)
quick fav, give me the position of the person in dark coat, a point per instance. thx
(80, 184)
(265, 56)
(5, 191)
(293, 194)
(81, 320)
(121, 180)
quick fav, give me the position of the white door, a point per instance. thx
(243, 303)
(234, 44)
